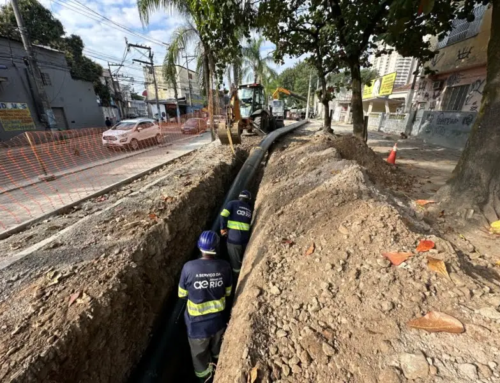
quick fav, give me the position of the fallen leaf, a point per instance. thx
(423, 202)
(435, 321)
(441, 214)
(344, 230)
(253, 375)
(495, 227)
(397, 258)
(153, 216)
(311, 249)
(73, 298)
(288, 242)
(84, 299)
(497, 263)
(425, 245)
(438, 266)
(169, 199)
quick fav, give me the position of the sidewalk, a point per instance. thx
(21, 205)
(432, 165)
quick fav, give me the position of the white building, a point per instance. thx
(394, 62)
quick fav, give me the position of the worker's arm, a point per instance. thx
(183, 293)
(224, 216)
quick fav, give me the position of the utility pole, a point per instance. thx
(42, 103)
(409, 104)
(118, 96)
(308, 97)
(152, 65)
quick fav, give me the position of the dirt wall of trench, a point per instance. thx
(81, 308)
(317, 301)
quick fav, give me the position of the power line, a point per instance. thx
(83, 10)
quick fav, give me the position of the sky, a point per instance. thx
(105, 40)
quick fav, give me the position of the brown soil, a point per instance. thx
(317, 301)
(80, 308)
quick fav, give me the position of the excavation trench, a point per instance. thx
(168, 358)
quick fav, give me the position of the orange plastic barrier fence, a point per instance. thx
(42, 171)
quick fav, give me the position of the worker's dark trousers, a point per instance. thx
(235, 253)
(202, 352)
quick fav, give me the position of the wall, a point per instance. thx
(375, 120)
(394, 123)
(448, 129)
(77, 98)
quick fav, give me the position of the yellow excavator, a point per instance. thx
(248, 111)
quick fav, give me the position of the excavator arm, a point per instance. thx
(276, 94)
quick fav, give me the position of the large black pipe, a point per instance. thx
(167, 346)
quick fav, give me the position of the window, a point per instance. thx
(46, 79)
(462, 29)
(454, 98)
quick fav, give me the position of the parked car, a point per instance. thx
(218, 120)
(194, 126)
(130, 133)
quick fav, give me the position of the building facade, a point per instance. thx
(73, 102)
(394, 62)
(188, 91)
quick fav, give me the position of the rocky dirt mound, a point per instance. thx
(80, 308)
(380, 171)
(317, 301)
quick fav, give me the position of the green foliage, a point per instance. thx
(256, 67)
(136, 96)
(44, 29)
(296, 79)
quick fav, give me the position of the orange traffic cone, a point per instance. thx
(392, 155)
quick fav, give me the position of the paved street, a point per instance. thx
(23, 204)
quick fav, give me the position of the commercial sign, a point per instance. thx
(381, 86)
(16, 116)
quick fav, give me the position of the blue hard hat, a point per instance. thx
(245, 194)
(208, 241)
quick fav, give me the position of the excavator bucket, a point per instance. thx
(229, 136)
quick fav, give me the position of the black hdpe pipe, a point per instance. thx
(167, 344)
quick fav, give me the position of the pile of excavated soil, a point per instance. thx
(317, 301)
(379, 171)
(80, 307)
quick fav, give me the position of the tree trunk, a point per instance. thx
(475, 183)
(356, 100)
(327, 122)
(208, 86)
(236, 74)
(211, 108)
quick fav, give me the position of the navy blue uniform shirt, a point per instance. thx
(237, 217)
(205, 283)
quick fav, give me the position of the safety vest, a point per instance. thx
(237, 217)
(205, 283)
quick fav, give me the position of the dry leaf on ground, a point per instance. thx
(397, 258)
(253, 375)
(343, 230)
(425, 245)
(495, 227)
(423, 202)
(311, 249)
(438, 266)
(153, 216)
(73, 298)
(436, 321)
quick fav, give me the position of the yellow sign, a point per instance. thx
(381, 86)
(16, 116)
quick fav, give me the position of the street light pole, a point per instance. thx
(308, 97)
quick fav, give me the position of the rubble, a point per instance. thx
(343, 309)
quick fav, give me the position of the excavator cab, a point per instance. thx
(248, 111)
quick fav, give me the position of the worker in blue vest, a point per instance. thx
(235, 223)
(205, 283)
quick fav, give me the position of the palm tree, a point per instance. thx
(184, 34)
(254, 63)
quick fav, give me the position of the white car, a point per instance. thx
(129, 133)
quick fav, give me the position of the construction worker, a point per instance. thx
(205, 283)
(235, 223)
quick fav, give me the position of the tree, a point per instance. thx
(475, 183)
(255, 64)
(136, 96)
(44, 29)
(300, 27)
